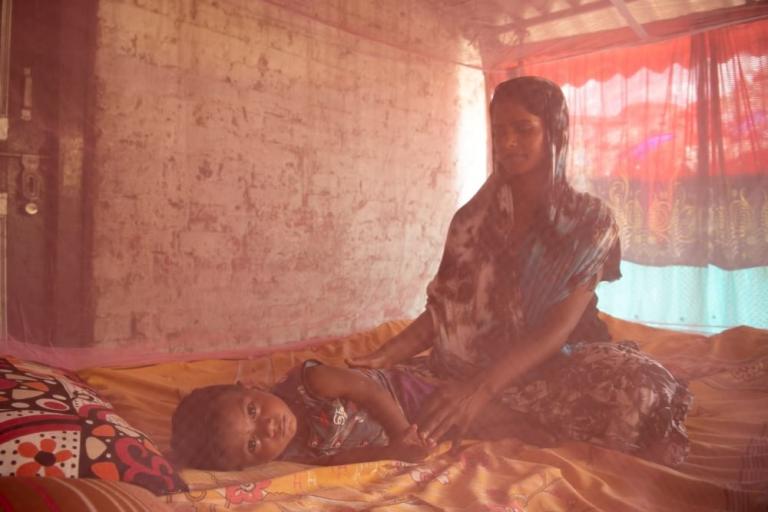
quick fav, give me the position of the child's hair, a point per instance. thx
(199, 426)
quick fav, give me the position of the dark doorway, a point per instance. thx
(28, 165)
(41, 168)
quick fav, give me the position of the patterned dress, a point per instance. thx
(491, 289)
(327, 427)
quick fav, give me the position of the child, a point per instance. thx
(317, 414)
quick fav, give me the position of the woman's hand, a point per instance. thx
(457, 405)
(452, 408)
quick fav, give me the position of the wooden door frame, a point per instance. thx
(6, 7)
(72, 311)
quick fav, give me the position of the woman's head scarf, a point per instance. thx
(491, 287)
(544, 99)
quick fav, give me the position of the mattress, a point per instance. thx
(728, 425)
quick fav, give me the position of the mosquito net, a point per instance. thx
(191, 175)
(255, 195)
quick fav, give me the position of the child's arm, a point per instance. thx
(408, 448)
(332, 382)
(404, 444)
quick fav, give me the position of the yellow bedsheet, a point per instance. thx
(727, 468)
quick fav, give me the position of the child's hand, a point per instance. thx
(409, 446)
(411, 437)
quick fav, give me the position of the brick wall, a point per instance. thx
(260, 177)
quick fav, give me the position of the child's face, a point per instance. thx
(261, 427)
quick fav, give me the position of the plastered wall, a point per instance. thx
(260, 177)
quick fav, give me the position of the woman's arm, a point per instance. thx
(459, 403)
(415, 338)
(540, 343)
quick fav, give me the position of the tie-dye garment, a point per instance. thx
(491, 289)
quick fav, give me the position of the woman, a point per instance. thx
(511, 314)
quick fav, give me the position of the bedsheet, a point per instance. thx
(727, 468)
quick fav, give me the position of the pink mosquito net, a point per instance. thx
(232, 174)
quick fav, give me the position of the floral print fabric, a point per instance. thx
(53, 424)
(610, 394)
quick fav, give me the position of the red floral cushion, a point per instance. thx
(53, 424)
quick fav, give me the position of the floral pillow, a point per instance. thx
(53, 424)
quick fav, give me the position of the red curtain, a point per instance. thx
(674, 136)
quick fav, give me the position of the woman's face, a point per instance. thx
(518, 139)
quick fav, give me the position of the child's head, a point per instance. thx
(228, 427)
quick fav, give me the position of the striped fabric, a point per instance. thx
(32, 494)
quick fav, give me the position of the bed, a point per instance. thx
(727, 468)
